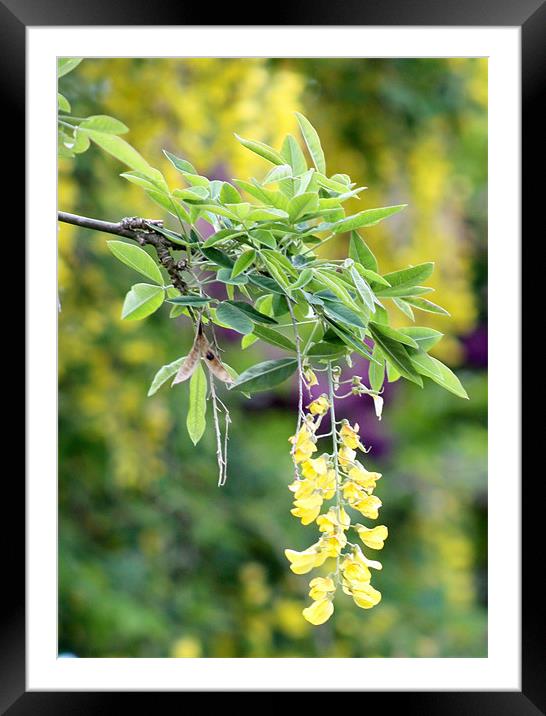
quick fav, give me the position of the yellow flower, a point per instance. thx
(365, 479)
(331, 545)
(319, 612)
(320, 406)
(334, 518)
(349, 436)
(307, 508)
(302, 488)
(303, 444)
(303, 562)
(321, 587)
(367, 597)
(313, 468)
(369, 506)
(372, 537)
(353, 492)
(355, 573)
(327, 483)
(310, 378)
(346, 456)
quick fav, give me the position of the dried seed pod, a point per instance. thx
(192, 359)
(211, 359)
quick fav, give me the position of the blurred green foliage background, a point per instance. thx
(154, 559)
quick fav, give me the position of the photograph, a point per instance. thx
(272, 321)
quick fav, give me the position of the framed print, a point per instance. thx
(273, 356)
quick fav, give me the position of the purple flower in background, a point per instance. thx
(475, 345)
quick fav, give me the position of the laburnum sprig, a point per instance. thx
(261, 240)
(337, 476)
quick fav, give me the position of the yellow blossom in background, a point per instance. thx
(187, 647)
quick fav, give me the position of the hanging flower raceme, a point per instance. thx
(338, 476)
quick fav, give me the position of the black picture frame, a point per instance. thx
(530, 16)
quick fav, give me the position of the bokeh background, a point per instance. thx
(154, 559)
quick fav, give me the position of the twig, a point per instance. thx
(138, 230)
(222, 476)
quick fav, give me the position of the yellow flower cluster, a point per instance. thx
(320, 479)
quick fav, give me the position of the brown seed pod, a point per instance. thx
(192, 359)
(211, 359)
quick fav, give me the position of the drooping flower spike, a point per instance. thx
(341, 476)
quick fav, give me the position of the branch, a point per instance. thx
(140, 231)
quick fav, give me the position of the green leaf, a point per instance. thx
(368, 217)
(196, 421)
(192, 194)
(266, 214)
(266, 283)
(376, 372)
(251, 312)
(243, 262)
(273, 337)
(338, 312)
(406, 278)
(164, 373)
(142, 300)
(291, 151)
(216, 256)
(360, 253)
(181, 164)
(324, 349)
(330, 184)
(349, 339)
(337, 287)
(302, 204)
(404, 307)
(120, 149)
(303, 279)
(104, 123)
(279, 172)
(196, 301)
(264, 237)
(174, 208)
(231, 316)
(229, 194)
(266, 375)
(424, 305)
(137, 259)
(438, 372)
(312, 140)
(396, 354)
(393, 334)
(62, 103)
(365, 292)
(66, 65)
(263, 150)
(168, 234)
(370, 275)
(425, 337)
